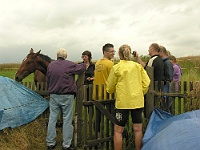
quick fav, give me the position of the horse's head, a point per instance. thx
(30, 64)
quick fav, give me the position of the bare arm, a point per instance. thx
(139, 60)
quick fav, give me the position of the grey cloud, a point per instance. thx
(111, 22)
(81, 25)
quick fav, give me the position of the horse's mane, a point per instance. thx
(44, 57)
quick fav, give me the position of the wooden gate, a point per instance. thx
(88, 136)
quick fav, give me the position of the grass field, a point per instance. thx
(190, 67)
(9, 70)
(11, 74)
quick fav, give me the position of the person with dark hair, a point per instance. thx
(130, 82)
(89, 74)
(102, 70)
(177, 72)
(62, 89)
(90, 67)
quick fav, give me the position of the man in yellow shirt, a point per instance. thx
(101, 73)
(102, 70)
(129, 81)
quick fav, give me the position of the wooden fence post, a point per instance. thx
(78, 109)
(185, 99)
(150, 95)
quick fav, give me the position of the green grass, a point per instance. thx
(11, 74)
(190, 67)
(8, 73)
(9, 70)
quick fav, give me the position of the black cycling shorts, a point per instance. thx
(122, 115)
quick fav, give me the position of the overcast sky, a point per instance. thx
(80, 25)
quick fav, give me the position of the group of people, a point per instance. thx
(127, 79)
(165, 69)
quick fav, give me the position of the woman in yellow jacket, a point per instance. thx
(130, 82)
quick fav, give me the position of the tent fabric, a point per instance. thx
(18, 104)
(165, 131)
(1, 113)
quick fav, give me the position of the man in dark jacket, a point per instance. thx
(155, 61)
(62, 88)
(168, 66)
(168, 77)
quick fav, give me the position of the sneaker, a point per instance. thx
(50, 147)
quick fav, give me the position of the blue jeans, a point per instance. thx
(56, 104)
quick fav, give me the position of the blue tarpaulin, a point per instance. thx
(167, 132)
(18, 105)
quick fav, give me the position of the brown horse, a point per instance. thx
(34, 62)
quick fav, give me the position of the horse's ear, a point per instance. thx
(36, 54)
(31, 50)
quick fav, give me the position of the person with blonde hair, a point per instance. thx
(130, 82)
(62, 89)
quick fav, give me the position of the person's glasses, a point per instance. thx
(111, 51)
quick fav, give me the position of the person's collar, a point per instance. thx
(105, 58)
(60, 58)
(154, 55)
(166, 58)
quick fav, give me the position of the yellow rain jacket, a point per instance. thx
(130, 82)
